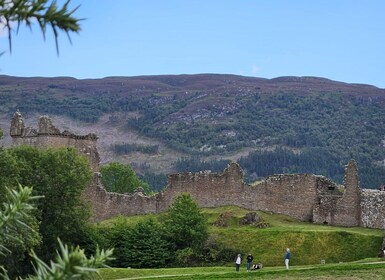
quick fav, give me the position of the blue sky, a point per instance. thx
(336, 39)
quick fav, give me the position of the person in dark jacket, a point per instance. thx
(287, 258)
(249, 262)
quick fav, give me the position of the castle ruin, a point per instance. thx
(306, 197)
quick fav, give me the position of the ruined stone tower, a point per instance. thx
(47, 135)
(340, 206)
(349, 207)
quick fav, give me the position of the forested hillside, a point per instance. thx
(281, 125)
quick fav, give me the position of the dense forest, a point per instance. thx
(288, 124)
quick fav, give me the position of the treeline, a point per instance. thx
(125, 148)
(260, 164)
(319, 161)
(195, 164)
(156, 181)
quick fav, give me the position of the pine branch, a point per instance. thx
(45, 14)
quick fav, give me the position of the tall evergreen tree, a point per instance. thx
(185, 224)
(147, 246)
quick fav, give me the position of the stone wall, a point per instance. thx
(106, 205)
(293, 195)
(211, 189)
(373, 209)
(304, 196)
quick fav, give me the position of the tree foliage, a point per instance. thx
(21, 230)
(147, 247)
(14, 215)
(116, 236)
(177, 237)
(260, 164)
(196, 164)
(121, 178)
(69, 264)
(60, 175)
(46, 13)
(126, 148)
(156, 181)
(141, 246)
(185, 224)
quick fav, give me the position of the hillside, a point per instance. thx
(163, 124)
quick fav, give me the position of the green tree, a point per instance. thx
(64, 176)
(69, 263)
(121, 178)
(148, 246)
(18, 230)
(9, 172)
(141, 246)
(117, 236)
(185, 224)
(46, 13)
(60, 175)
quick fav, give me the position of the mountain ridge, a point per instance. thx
(212, 117)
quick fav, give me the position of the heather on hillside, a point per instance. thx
(319, 124)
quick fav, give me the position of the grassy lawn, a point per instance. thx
(309, 243)
(339, 247)
(370, 269)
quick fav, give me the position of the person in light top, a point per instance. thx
(238, 261)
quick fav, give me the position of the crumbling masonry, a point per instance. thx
(304, 196)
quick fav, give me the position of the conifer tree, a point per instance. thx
(185, 224)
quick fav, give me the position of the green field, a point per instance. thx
(368, 269)
(308, 242)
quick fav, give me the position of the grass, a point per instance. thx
(309, 243)
(367, 269)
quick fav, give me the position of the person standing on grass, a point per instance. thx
(383, 252)
(238, 261)
(287, 258)
(249, 262)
